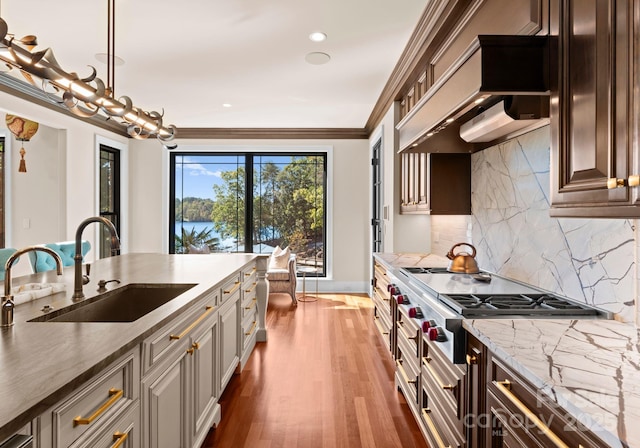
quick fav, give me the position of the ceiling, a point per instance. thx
(192, 57)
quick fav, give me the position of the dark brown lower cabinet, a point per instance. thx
(520, 415)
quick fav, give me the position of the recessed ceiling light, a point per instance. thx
(317, 36)
(317, 58)
(226, 105)
(103, 57)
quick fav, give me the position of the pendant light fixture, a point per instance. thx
(84, 97)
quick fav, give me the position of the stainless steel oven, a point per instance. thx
(432, 371)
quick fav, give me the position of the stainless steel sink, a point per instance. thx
(125, 304)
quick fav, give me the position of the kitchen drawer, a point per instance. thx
(123, 432)
(408, 378)
(519, 412)
(408, 330)
(438, 434)
(101, 400)
(449, 379)
(249, 335)
(249, 300)
(164, 341)
(249, 276)
(445, 413)
(230, 289)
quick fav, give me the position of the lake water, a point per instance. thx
(199, 226)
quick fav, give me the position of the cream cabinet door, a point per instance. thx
(204, 381)
(229, 342)
(167, 407)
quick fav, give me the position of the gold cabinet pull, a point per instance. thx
(432, 428)
(435, 375)
(232, 290)
(119, 438)
(209, 310)
(114, 395)
(505, 388)
(252, 329)
(472, 360)
(250, 273)
(253, 304)
(631, 181)
(404, 374)
(252, 287)
(195, 346)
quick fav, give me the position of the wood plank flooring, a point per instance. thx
(323, 379)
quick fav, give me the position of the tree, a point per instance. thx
(288, 203)
(228, 209)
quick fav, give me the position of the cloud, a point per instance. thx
(197, 169)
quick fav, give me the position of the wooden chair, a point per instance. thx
(284, 280)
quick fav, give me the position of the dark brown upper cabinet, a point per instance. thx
(593, 111)
(435, 184)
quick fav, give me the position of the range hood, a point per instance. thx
(492, 68)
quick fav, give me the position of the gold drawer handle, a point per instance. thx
(252, 287)
(404, 374)
(119, 437)
(232, 290)
(472, 360)
(435, 375)
(209, 310)
(505, 388)
(249, 274)
(253, 304)
(114, 394)
(432, 428)
(252, 329)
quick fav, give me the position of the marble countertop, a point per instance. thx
(589, 367)
(41, 362)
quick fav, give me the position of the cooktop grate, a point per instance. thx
(475, 305)
(420, 270)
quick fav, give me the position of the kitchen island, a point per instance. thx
(44, 362)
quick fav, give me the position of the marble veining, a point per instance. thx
(588, 260)
(590, 368)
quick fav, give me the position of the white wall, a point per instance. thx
(348, 248)
(401, 233)
(58, 190)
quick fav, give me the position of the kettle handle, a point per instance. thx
(451, 256)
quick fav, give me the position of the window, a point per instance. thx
(109, 195)
(249, 202)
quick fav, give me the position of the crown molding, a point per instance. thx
(273, 133)
(434, 24)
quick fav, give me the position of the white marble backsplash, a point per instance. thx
(589, 260)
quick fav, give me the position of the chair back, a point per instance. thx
(41, 262)
(5, 253)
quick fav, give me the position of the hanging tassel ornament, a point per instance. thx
(23, 129)
(23, 165)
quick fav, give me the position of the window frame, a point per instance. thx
(296, 151)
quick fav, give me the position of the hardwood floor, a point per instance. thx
(323, 379)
